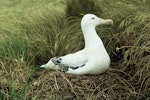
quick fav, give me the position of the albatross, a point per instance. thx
(92, 59)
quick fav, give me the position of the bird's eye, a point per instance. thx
(93, 17)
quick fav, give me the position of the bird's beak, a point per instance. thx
(106, 21)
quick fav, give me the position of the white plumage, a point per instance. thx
(92, 59)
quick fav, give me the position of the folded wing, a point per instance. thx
(70, 61)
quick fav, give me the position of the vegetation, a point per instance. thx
(31, 32)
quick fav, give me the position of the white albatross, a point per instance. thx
(92, 59)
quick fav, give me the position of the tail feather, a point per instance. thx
(50, 65)
(43, 66)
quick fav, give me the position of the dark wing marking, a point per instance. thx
(63, 67)
(56, 60)
(74, 68)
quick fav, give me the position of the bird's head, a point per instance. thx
(93, 21)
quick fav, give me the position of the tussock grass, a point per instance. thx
(33, 32)
(77, 8)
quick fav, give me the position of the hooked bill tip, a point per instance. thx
(111, 22)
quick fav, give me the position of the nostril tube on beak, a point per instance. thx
(106, 22)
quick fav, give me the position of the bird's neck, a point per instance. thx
(91, 38)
